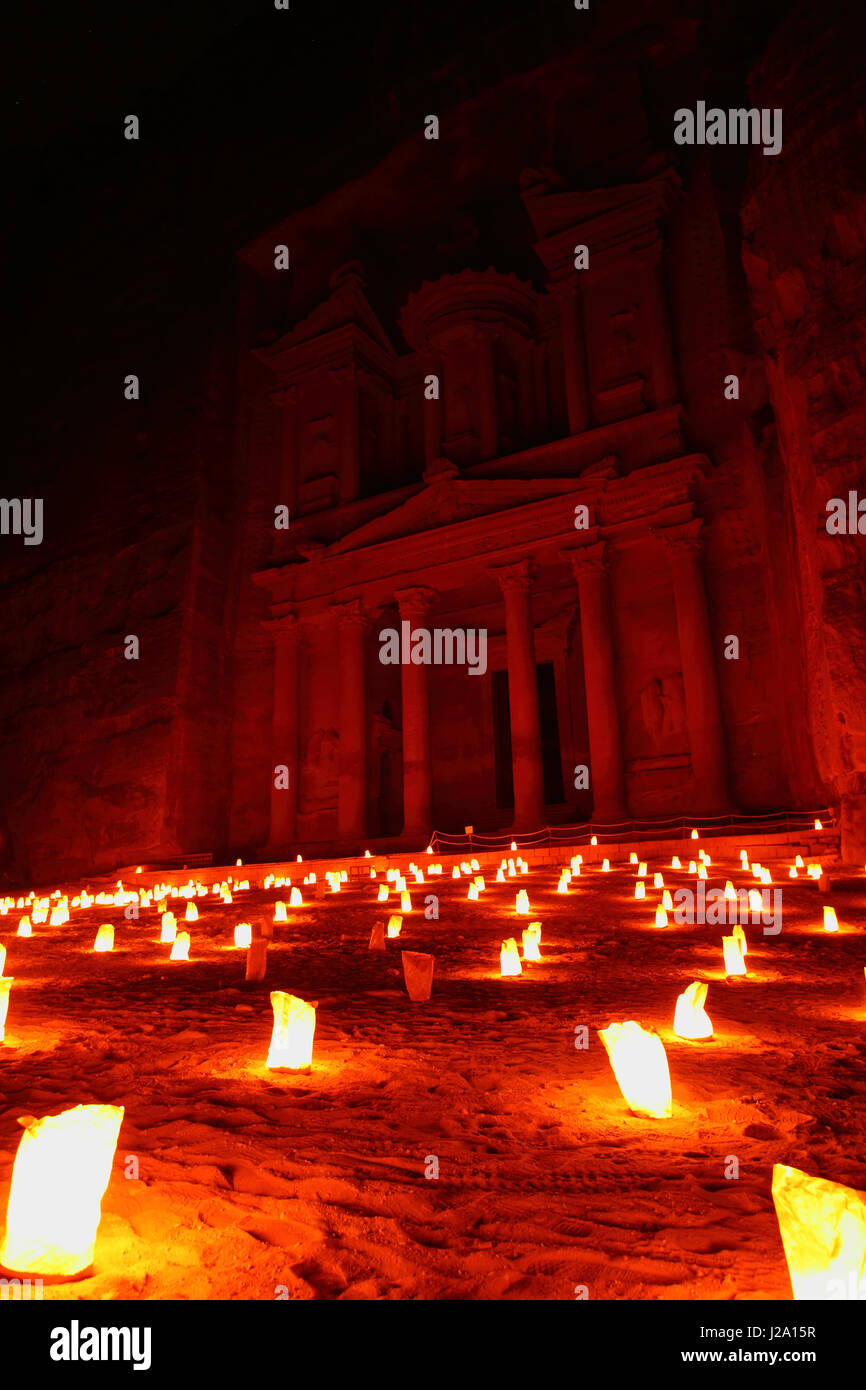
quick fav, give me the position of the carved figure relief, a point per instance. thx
(319, 771)
(663, 710)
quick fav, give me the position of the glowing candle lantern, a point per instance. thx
(757, 870)
(765, 876)
(690, 1018)
(531, 938)
(744, 854)
(226, 896)
(694, 834)
(280, 913)
(472, 895)
(292, 1038)
(640, 889)
(514, 844)
(675, 862)
(640, 1065)
(419, 876)
(830, 921)
(693, 868)
(744, 865)
(667, 901)
(632, 859)
(243, 935)
(160, 907)
(792, 872)
(594, 840)
(191, 914)
(6, 983)
(521, 903)
(295, 899)
(730, 891)
(395, 925)
(180, 948)
(823, 1230)
(479, 882)
(400, 882)
(169, 927)
(740, 937)
(25, 927)
(576, 871)
(383, 892)
(335, 885)
(405, 902)
(455, 872)
(474, 865)
(755, 901)
(509, 958)
(524, 867)
(641, 869)
(418, 974)
(562, 886)
(658, 881)
(734, 963)
(500, 875)
(104, 939)
(605, 866)
(61, 1171)
(798, 862)
(512, 871)
(818, 825)
(661, 917)
(702, 871)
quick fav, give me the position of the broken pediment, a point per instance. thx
(347, 306)
(446, 501)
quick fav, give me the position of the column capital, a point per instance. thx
(589, 559)
(685, 539)
(286, 630)
(351, 613)
(516, 577)
(414, 602)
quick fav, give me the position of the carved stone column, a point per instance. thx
(663, 363)
(485, 347)
(284, 739)
(349, 433)
(515, 581)
(700, 681)
(591, 565)
(287, 400)
(574, 355)
(351, 622)
(414, 605)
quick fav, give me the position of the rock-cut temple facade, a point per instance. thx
(550, 380)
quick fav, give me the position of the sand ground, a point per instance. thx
(255, 1184)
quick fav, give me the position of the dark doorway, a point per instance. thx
(502, 740)
(551, 757)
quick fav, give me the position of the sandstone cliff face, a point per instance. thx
(804, 223)
(159, 514)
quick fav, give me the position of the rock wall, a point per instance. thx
(804, 253)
